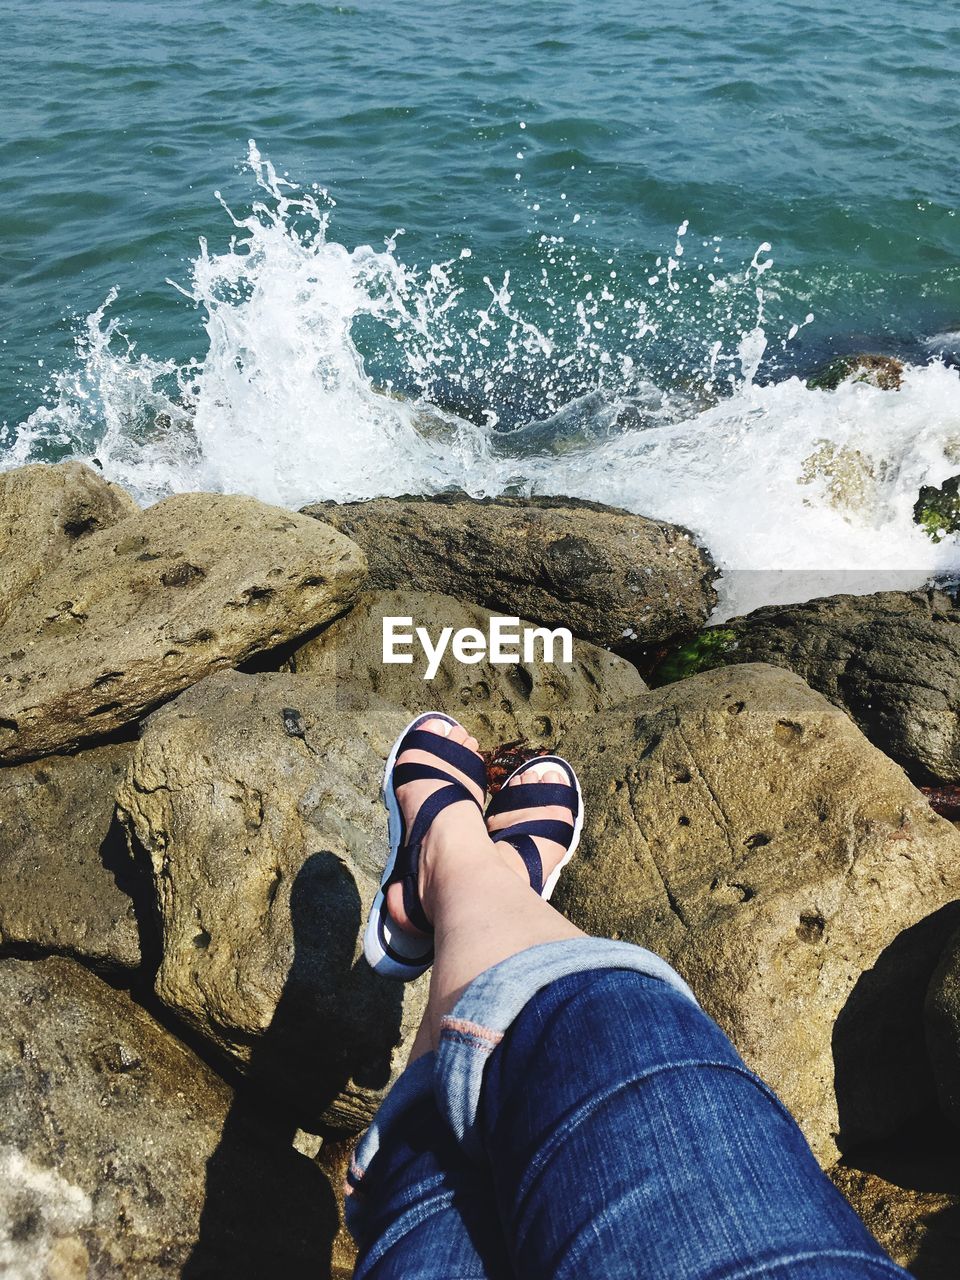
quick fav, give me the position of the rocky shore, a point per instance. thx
(193, 718)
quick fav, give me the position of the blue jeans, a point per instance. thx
(582, 1117)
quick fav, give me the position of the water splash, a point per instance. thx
(667, 404)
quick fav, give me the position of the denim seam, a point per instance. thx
(467, 1028)
(883, 1265)
(536, 1165)
(498, 996)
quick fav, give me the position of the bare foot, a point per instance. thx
(457, 824)
(551, 853)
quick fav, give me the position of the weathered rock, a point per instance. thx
(64, 868)
(890, 660)
(943, 1028)
(883, 372)
(908, 1195)
(535, 700)
(741, 826)
(613, 578)
(132, 615)
(123, 1155)
(257, 799)
(45, 511)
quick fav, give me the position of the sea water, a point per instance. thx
(303, 250)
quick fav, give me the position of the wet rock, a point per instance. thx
(890, 660)
(943, 1028)
(133, 614)
(883, 372)
(742, 827)
(499, 702)
(67, 881)
(937, 509)
(123, 1155)
(257, 800)
(615, 579)
(44, 512)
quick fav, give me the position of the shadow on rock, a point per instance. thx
(907, 1190)
(268, 1210)
(881, 1072)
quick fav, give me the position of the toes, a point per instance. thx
(537, 774)
(444, 729)
(472, 744)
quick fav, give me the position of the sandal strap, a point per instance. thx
(546, 828)
(454, 753)
(430, 810)
(528, 851)
(407, 863)
(413, 906)
(534, 795)
(403, 773)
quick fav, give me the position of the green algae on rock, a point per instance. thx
(704, 652)
(883, 372)
(937, 509)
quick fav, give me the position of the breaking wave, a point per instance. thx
(342, 373)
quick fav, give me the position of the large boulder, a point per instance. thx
(532, 700)
(615, 579)
(257, 800)
(123, 1155)
(133, 614)
(67, 882)
(890, 660)
(943, 1028)
(44, 512)
(741, 826)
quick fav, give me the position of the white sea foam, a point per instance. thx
(785, 485)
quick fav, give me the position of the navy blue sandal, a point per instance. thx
(390, 950)
(533, 795)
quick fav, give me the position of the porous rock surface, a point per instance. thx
(64, 868)
(741, 826)
(124, 1156)
(499, 702)
(257, 800)
(44, 512)
(135, 613)
(891, 660)
(615, 579)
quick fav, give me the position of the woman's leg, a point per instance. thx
(421, 1210)
(623, 1133)
(628, 1140)
(418, 1208)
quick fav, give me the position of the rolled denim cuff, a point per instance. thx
(482, 1015)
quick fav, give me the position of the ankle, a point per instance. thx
(450, 860)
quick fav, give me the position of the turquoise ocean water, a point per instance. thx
(602, 240)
